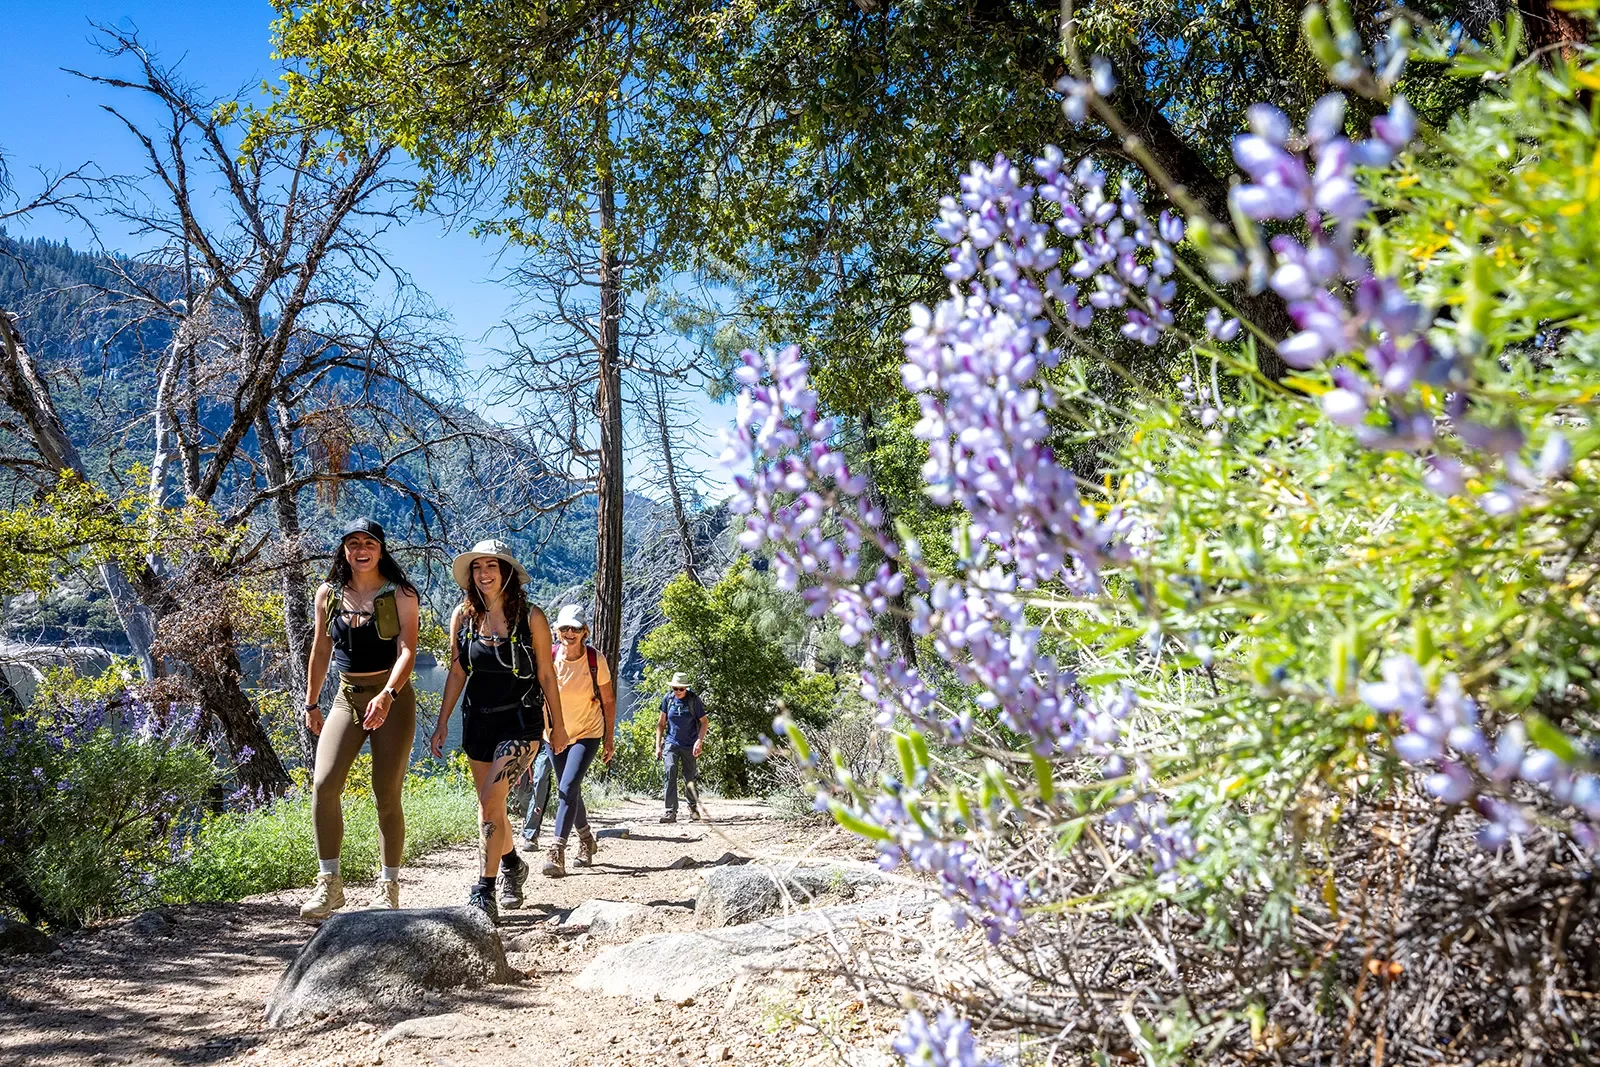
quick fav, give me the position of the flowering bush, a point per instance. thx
(1255, 692)
(93, 800)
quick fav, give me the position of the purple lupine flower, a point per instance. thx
(945, 1042)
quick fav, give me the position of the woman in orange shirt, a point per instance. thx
(587, 726)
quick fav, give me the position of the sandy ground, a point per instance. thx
(192, 989)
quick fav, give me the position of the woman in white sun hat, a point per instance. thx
(588, 723)
(501, 665)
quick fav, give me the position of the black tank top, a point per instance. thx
(357, 649)
(500, 675)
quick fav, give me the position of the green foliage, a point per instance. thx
(730, 640)
(241, 853)
(86, 808)
(61, 686)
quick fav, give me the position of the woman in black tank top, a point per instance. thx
(502, 670)
(366, 625)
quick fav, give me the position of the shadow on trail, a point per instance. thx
(185, 984)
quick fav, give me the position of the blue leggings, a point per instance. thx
(572, 763)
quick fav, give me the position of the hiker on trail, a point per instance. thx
(682, 729)
(538, 801)
(501, 667)
(588, 723)
(366, 623)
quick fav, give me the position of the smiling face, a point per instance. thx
(488, 577)
(362, 552)
(570, 636)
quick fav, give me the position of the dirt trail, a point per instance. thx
(188, 985)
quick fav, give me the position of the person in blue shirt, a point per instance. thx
(681, 733)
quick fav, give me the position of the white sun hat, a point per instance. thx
(461, 567)
(679, 681)
(571, 615)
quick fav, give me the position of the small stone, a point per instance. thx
(684, 1002)
(805, 1030)
(683, 863)
(718, 1053)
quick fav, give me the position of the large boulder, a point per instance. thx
(609, 920)
(20, 939)
(678, 967)
(734, 895)
(378, 962)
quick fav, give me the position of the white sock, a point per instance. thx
(391, 874)
(328, 866)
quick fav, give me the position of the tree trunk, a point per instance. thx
(900, 615)
(293, 581)
(1549, 27)
(685, 534)
(27, 394)
(608, 408)
(220, 682)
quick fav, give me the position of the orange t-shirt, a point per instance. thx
(581, 713)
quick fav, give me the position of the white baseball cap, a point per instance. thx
(571, 615)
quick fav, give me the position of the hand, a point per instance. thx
(698, 745)
(608, 748)
(314, 721)
(658, 752)
(558, 741)
(377, 711)
(436, 742)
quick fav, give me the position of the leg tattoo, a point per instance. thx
(518, 755)
(485, 837)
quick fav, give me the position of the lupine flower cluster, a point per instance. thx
(946, 1041)
(1442, 732)
(993, 898)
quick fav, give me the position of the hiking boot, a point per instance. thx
(530, 842)
(388, 895)
(326, 898)
(587, 847)
(697, 815)
(670, 816)
(511, 883)
(555, 861)
(480, 898)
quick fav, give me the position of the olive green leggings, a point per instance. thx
(337, 748)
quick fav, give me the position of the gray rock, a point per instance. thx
(609, 920)
(374, 962)
(678, 966)
(734, 895)
(157, 922)
(683, 863)
(615, 831)
(20, 939)
(451, 1025)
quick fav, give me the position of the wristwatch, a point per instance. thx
(391, 692)
(314, 705)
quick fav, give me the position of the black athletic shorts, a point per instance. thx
(484, 731)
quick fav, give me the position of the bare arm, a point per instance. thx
(544, 661)
(454, 682)
(705, 726)
(661, 732)
(321, 653)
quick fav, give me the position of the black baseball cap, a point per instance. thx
(362, 526)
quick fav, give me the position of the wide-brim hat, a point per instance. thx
(679, 681)
(461, 566)
(571, 615)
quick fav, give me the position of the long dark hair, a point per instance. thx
(513, 601)
(340, 574)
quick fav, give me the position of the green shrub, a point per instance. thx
(238, 854)
(89, 804)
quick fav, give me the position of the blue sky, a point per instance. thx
(50, 119)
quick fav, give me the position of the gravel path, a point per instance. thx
(187, 985)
